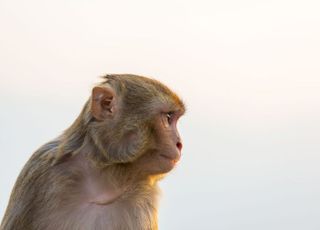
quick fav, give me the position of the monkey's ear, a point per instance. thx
(102, 102)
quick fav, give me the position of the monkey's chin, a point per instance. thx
(168, 163)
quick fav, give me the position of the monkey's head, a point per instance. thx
(134, 121)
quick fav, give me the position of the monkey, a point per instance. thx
(103, 171)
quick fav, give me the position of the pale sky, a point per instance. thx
(248, 71)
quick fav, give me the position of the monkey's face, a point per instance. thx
(167, 145)
(138, 124)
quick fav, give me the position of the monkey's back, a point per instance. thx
(27, 197)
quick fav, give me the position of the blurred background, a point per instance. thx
(248, 71)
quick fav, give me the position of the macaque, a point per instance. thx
(102, 172)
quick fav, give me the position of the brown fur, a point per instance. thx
(119, 155)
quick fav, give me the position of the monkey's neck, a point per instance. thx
(105, 185)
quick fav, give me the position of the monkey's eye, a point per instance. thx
(169, 117)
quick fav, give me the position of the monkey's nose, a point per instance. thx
(179, 145)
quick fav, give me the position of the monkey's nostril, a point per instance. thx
(179, 145)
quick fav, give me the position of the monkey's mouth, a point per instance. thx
(172, 160)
